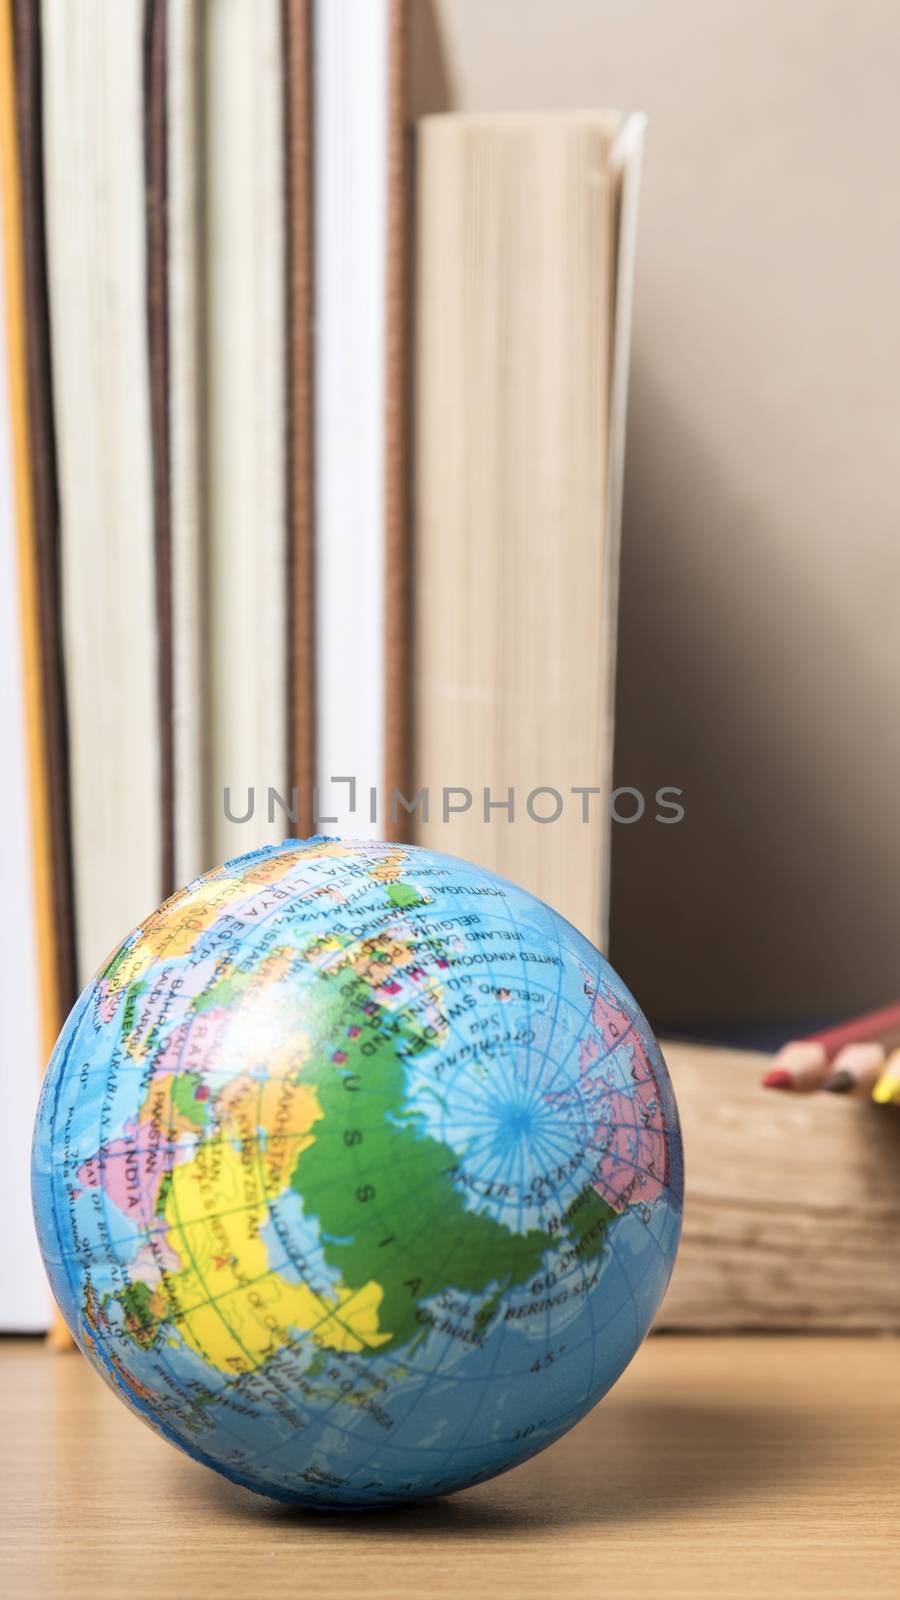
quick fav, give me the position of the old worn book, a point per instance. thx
(182, 296)
(238, 290)
(34, 328)
(93, 125)
(300, 411)
(792, 1206)
(524, 246)
(29, 988)
(245, 297)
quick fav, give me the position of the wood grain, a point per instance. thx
(725, 1468)
(792, 1214)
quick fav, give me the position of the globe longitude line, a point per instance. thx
(250, 1206)
(546, 1091)
(166, 1367)
(254, 936)
(400, 1011)
(414, 1402)
(417, 1399)
(607, 1091)
(573, 1411)
(499, 1339)
(478, 1381)
(578, 1265)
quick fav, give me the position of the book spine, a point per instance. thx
(46, 953)
(29, 588)
(156, 222)
(185, 228)
(93, 59)
(351, 48)
(298, 97)
(246, 384)
(44, 490)
(397, 593)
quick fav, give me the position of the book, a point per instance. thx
(300, 410)
(163, 408)
(29, 989)
(26, 94)
(93, 76)
(524, 246)
(245, 295)
(360, 587)
(24, 1301)
(182, 294)
(398, 577)
(239, 330)
(766, 1244)
(156, 204)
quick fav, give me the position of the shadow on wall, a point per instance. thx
(429, 86)
(729, 916)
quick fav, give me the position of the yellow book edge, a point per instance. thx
(45, 941)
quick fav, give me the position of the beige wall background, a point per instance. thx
(760, 632)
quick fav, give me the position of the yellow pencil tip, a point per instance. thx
(887, 1090)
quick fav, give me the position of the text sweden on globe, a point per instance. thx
(357, 1172)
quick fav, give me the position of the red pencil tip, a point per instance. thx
(778, 1079)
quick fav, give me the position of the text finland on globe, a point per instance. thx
(357, 1173)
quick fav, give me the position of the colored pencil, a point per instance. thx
(887, 1090)
(856, 1069)
(807, 1064)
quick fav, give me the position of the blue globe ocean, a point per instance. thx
(357, 1173)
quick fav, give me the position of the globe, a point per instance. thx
(357, 1173)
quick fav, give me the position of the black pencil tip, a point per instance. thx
(841, 1083)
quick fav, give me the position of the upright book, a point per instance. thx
(524, 243)
(39, 428)
(29, 991)
(360, 584)
(93, 75)
(245, 291)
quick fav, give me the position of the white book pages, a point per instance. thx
(24, 1297)
(96, 246)
(350, 154)
(625, 163)
(516, 262)
(246, 432)
(190, 701)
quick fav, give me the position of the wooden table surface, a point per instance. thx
(718, 1466)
